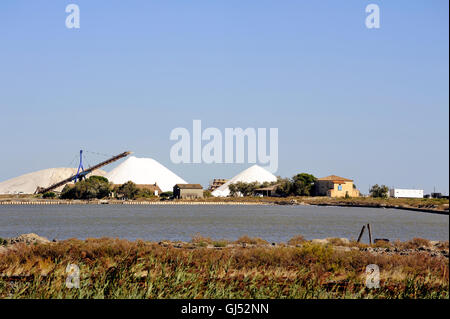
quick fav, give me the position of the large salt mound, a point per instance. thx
(144, 171)
(253, 174)
(27, 184)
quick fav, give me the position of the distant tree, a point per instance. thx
(128, 190)
(144, 193)
(207, 193)
(303, 184)
(299, 185)
(233, 189)
(168, 194)
(285, 187)
(49, 195)
(93, 187)
(243, 188)
(379, 191)
(99, 179)
(267, 184)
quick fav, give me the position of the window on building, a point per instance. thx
(339, 187)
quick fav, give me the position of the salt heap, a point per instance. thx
(27, 184)
(253, 174)
(144, 171)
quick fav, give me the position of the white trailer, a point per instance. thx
(405, 193)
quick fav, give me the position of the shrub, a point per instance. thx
(49, 195)
(166, 194)
(242, 188)
(416, 243)
(296, 240)
(220, 243)
(337, 241)
(199, 239)
(299, 185)
(379, 191)
(443, 245)
(316, 252)
(251, 240)
(145, 193)
(207, 193)
(93, 187)
(128, 190)
(382, 244)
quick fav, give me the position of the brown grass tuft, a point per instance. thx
(296, 240)
(251, 240)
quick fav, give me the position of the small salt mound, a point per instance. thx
(144, 171)
(28, 183)
(253, 174)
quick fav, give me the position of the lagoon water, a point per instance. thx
(182, 222)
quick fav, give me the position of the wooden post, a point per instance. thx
(370, 233)
(361, 233)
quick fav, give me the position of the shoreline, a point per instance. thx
(384, 206)
(413, 205)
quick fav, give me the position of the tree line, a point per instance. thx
(302, 184)
(98, 187)
(299, 185)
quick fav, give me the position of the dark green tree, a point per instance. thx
(128, 190)
(145, 193)
(379, 191)
(93, 187)
(299, 185)
(303, 184)
(244, 189)
(168, 194)
(49, 195)
(207, 193)
(233, 189)
(285, 187)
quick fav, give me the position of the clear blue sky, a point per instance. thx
(368, 104)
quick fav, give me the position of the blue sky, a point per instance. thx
(368, 104)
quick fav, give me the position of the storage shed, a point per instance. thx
(188, 191)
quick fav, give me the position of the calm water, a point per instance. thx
(273, 223)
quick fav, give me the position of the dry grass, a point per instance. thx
(113, 268)
(201, 240)
(443, 245)
(413, 244)
(251, 240)
(337, 242)
(296, 240)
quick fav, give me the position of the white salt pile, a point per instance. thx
(28, 183)
(144, 171)
(253, 174)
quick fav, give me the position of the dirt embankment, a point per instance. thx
(411, 247)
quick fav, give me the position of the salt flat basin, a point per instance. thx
(182, 222)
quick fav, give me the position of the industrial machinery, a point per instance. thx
(81, 172)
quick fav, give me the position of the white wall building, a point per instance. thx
(406, 193)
